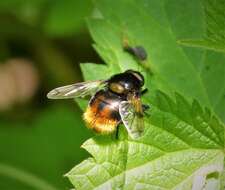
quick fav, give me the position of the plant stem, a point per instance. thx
(25, 177)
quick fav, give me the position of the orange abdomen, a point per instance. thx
(102, 113)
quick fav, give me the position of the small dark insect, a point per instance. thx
(115, 100)
(137, 51)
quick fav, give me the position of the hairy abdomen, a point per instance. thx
(102, 114)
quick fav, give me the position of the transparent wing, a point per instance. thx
(76, 90)
(132, 119)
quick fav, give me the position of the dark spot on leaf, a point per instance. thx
(207, 67)
(213, 175)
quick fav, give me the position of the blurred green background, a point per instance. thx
(42, 43)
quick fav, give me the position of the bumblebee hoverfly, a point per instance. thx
(114, 101)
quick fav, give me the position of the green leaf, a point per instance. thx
(176, 148)
(187, 21)
(213, 77)
(94, 71)
(210, 65)
(174, 69)
(183, 144)
(215, 27)
(169, 64)
(207, 44)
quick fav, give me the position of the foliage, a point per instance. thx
(214, 39)
(183, 145)
(38, 143)
(62, 18)
(34, 154)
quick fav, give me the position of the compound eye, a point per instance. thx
(117, 88)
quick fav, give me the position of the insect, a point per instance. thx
(114, 101)
(138, 51)
(140, 54)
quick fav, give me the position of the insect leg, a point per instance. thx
(144, 91)
(145, 107)
(117, 132)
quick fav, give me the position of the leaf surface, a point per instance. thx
(183, 142)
